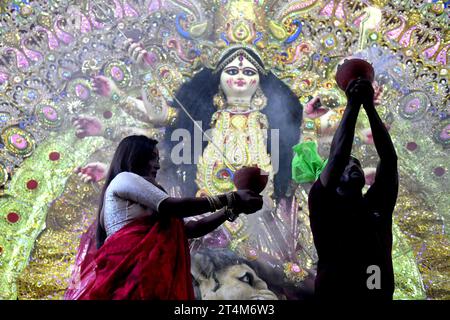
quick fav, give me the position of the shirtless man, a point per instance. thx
(353, 231)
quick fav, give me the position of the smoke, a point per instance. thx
(284, 113)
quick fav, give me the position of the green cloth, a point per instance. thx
(307, 163)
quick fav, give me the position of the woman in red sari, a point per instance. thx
(137, 249)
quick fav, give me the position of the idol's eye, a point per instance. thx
(249, 72)
(232, 71)
(247, 278)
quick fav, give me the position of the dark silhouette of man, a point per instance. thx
(353, 232)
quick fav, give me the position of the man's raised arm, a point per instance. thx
(341, 146)
(385, 185)
(383, 143)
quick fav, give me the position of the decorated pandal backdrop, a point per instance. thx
(51, 50)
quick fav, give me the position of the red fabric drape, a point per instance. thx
(146, 259)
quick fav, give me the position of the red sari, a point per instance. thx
(146, 259)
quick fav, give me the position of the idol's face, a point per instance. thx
(237, 282)
(239, 78)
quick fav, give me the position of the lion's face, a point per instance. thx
(236, 282)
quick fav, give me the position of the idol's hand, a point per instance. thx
(87, 127)
(104, 86)
(247, 201)
(367, 136)
(369, 175)
(156, 107)
(92, 172)
(378, 93)
(314, 108)
(139, 55)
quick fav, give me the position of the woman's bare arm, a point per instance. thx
(199, 228)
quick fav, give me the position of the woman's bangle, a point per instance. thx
(211, 205)
(230, 199)
(217, 203)
(214, 203)
(230, 215)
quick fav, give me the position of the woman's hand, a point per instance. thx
(247, 201)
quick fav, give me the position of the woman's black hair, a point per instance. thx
(133, 154)
(283, 110)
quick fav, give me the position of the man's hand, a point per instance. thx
(360, 91)
(247, 201)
